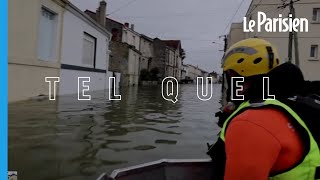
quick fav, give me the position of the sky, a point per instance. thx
(197, 23)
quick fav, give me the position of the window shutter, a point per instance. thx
(47, 35)
(314, 51)
(88, 50)
(316, 14)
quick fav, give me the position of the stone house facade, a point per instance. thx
(167, 58)
(146, 49)
(175, 58)
(160, 57)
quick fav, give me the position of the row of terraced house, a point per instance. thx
(54, 38)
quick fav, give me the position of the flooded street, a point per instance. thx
(75, 140)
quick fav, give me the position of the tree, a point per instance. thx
(182, 54)
(154, 73)
(145, 75)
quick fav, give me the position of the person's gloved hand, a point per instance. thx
(229, 107)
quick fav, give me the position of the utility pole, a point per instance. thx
(290, 38)
(293, 36)
(225, 39)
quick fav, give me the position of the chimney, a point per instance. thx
(103, 11)
(98, 15)
(132, 27)
(126, 25)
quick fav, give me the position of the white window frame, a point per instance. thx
(316, 15)
(125, 36)
(52, 55)
(316, 52)
(93, 40)
(134, 41)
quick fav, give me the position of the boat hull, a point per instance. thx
(165, 169)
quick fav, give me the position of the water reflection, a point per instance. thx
(164, 141)
(70, 139)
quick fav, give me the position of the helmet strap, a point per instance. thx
(271, 56)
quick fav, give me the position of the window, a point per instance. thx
(134, 64)
(314, 52)
(149, 63)
(316, 15)
(125, 36)
(134, 40)
(167, 56)
(177, 61)
(115, 34)
(47, 35)
(88, 50)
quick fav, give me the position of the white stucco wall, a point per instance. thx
(69, 81)
(183, 75)
(127, 37)
(184, 72)
(133, 68)
(146, 48)
(178, 65)
(193, 72)
(190, 72)
(72, 43)
(73, 33)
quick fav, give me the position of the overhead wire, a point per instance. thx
(182, 14)
(280, 37)
(163, 37)
(233, 16)
(183, 39)
(279, 4)
(251, 11)
(121, 7)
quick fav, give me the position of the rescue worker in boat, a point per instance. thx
(263, 139)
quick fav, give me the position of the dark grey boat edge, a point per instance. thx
(164, 169)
